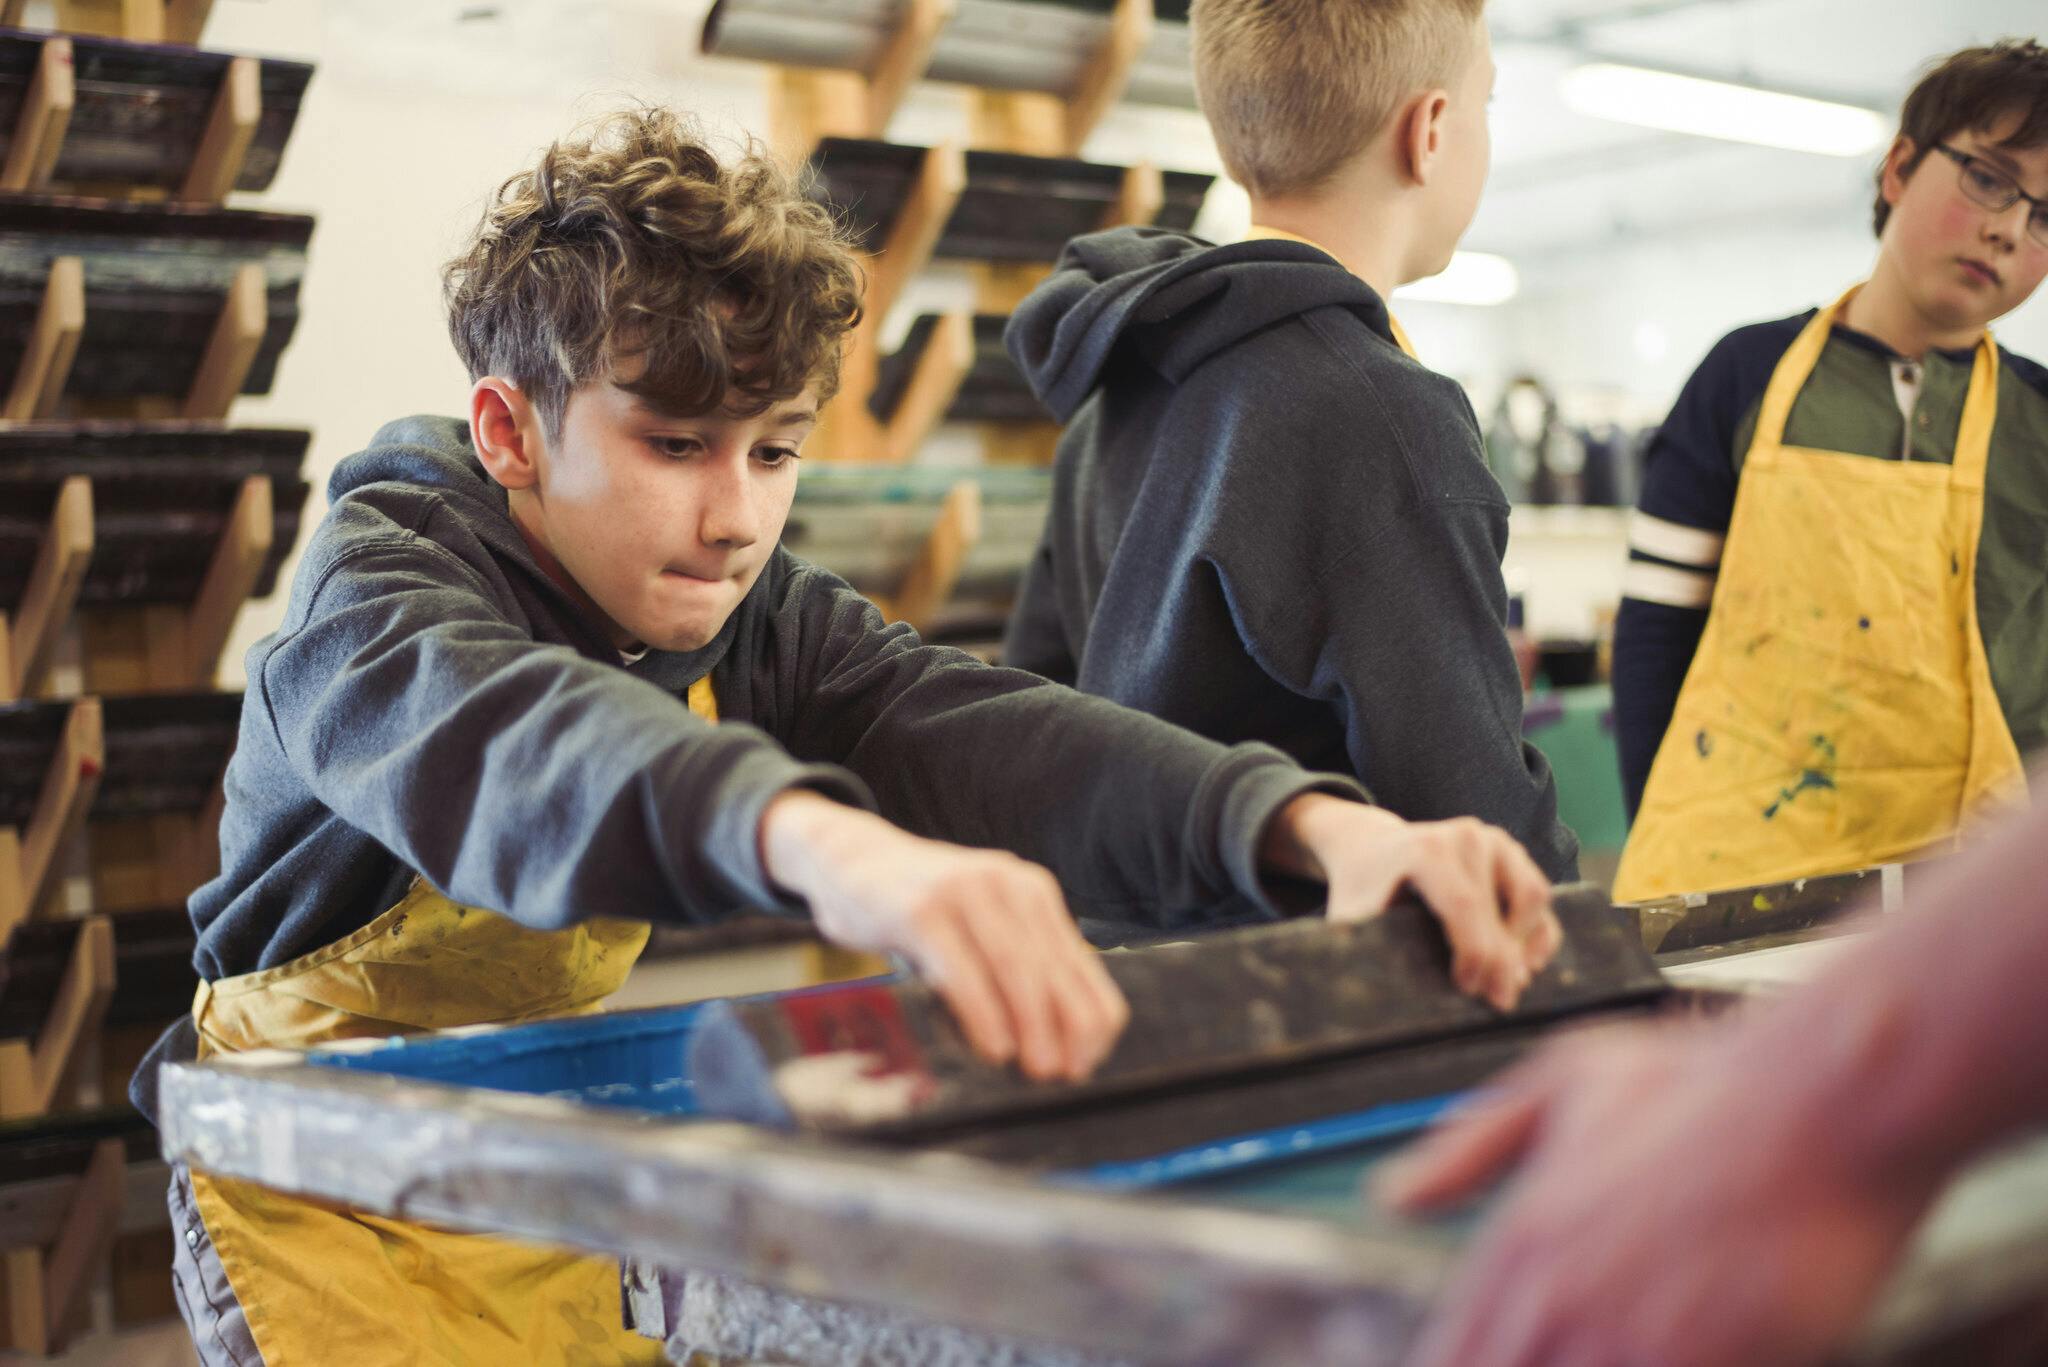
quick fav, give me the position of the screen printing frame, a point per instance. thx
(941, 1240)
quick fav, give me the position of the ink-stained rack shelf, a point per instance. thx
(139, 776)
(75, 1188)
(146, 538)
(1066, 62)
(110, 308)
(1040, 75)
(107, 117)
(133, 524)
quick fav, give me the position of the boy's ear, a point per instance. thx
(506, 432)
(1419, 135)
(1892, 182)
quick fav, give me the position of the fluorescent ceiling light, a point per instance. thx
(1471, 278)
(1716, 109)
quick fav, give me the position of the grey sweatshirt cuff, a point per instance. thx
(1260, 781)
(732, 841)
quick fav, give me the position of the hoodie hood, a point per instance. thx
(434, 453)
(433, 456)
(1172, 300)
(428, 451)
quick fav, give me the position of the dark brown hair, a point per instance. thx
(1293, 89)
(1971, 91)
(630, 252)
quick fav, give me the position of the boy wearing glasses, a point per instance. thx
(1833, 648)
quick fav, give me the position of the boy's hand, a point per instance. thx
(1492, 899)
(1706, 1194)
(990, 931)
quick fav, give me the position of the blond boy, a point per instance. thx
(1270, 521)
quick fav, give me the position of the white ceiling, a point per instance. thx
(1565, 181)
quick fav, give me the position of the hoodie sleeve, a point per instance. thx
(517, 776)
(1036, 638)
(1141, 821)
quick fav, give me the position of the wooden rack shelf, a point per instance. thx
(151, 534)
(953, 368)
(103, 117)
(142, 775)
(1071, 61)
(891, 530)
(71, 1186)
(52, 759)
(34, 1064)
(163, 494)
(152, 962)
(1008, 207)
(110, 308)
(46, 581)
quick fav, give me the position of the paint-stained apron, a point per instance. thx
(323, 1284)
(1839, 712)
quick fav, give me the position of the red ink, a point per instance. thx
(863, 1017)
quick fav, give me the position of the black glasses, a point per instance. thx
(1985, 184)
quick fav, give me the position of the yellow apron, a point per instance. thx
(325, 1284)
(1839, 712)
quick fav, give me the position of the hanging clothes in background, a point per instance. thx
(1541, 457)
(1613, 463)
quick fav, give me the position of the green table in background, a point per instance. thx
(1574, 728)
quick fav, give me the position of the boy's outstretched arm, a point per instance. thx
(522, 777)
(1138, 818)
(993, 933)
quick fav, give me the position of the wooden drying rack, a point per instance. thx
(44, 1285)
(148, 648)
(44, 1074)
(156, 646)
(809, 105)
(52, 96)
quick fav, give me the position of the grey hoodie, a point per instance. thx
(1270, 524)
(434, 704)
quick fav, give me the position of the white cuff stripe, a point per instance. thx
(1671, 541)
(1663, 584)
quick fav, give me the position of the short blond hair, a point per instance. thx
(1293, 89)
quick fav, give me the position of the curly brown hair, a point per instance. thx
(1971, 91)
(630, 252)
